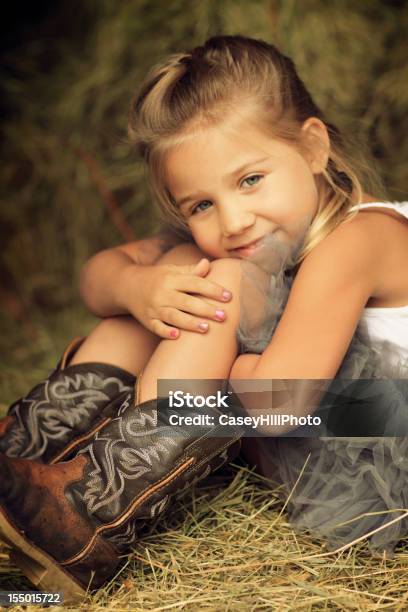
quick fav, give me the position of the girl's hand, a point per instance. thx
(159, 297)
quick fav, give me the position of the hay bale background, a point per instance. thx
(66, 92)
(66, 88)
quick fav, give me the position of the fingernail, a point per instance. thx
(226, 294)
(173, 333)
(203, 326)
(219, 314)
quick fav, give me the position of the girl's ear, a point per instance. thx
(316, 140)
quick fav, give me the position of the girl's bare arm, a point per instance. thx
(326, 301)
(103, 272)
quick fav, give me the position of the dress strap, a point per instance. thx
(401, 207)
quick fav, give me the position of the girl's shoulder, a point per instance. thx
(350, 250)
(381, 233)
(379, 227)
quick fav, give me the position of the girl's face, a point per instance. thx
(234, 187)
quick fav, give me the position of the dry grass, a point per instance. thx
(228, 546)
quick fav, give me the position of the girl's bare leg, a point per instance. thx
(119, 341)
(212, 356)
(199, 356)
(123, 342)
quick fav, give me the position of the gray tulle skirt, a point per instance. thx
(342, 488)
(339, 488)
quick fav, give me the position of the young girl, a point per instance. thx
(241, 157)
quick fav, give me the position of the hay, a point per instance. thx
(227, 546)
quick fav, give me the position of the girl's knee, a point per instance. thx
(227, 271)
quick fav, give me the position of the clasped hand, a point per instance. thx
(166, 298)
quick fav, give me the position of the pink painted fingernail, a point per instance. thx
(203, 326)
(226, 294)
(219, 314)
(173, 333)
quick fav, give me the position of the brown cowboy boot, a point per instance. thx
(70, 522)
(64, 410)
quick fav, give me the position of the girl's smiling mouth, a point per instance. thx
(248, 249)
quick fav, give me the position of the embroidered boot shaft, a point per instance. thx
(74, 401)
(70, 522)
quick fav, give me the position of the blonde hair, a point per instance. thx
(198, 89)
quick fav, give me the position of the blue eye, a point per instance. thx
(256, 177)
(196, 208)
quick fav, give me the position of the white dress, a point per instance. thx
(350, 479)
(389, 325)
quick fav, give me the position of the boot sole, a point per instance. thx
(37, 566)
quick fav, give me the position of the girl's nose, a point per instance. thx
(235, 221)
